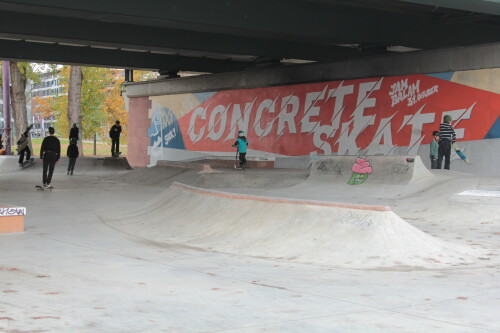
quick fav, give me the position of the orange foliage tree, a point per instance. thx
(114, 105)
(101, 103)
(42, 106)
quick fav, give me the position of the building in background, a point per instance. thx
(49, 86)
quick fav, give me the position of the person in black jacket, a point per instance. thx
(114, 134)
(72, 154)
(74, 133)
(49, 154)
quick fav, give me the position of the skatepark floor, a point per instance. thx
(71, 271)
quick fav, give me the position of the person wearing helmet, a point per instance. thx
(434, 149)
(447, 137)
(242, 144)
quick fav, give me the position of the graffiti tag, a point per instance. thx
(322, 167)
(360, 171)
(361, 222)
(12, 211)
(400, 169)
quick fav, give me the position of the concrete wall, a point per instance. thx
(139, 122)
(381, 115)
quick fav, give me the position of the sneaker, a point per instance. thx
(49, 186)
(71, 173)
(68, 172)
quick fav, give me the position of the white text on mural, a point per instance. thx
(169, 136)
(402, 90)
(333, 117)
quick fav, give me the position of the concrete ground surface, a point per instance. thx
(74, 271)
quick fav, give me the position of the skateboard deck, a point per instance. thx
(460, 154)
(41, 188)
(28, 163)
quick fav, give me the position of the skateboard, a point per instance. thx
(42, 188)
(27, 163)
(461, 154)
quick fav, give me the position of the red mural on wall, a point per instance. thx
(346, 117)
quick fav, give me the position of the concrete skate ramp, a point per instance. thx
(256, 178)
(325, 233)
(83, 164)
(157, 176)
(369, 170)
(98, 163)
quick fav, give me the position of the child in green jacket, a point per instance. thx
(434, 150)
(242, 144)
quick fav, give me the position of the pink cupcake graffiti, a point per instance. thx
(360, 171)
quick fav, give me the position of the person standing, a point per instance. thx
(446, 138)
(72, 154)
(114, 134)
(23, 146)
(434, 149)
(49, 154)
(74, 133)
(242, 144)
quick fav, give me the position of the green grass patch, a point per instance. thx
(103, 148)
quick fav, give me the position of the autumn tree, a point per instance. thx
(95, 84)
(101, 103)
(18, 77)
(145, 75)
(75, 99)
(20, 73)
(42, 106)
(114, 105)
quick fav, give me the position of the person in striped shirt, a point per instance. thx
(446, 139)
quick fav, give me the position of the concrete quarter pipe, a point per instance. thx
(324, 233)
(83, 164)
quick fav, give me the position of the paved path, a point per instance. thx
(70, 272)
